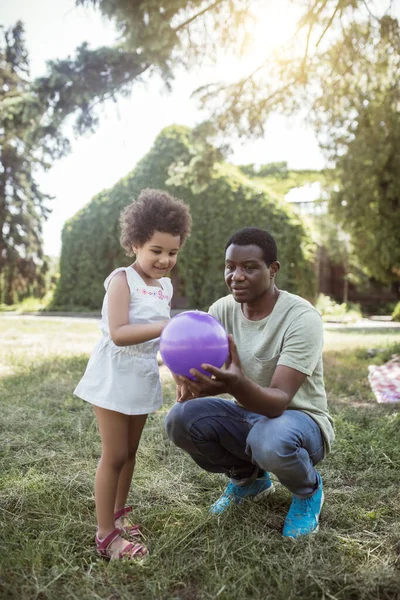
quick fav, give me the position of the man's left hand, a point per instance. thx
(221, 381)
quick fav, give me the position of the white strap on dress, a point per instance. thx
(129, 277)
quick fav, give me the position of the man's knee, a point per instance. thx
(175, 423)
(268, 449)
(179, 422)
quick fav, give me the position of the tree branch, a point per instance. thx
(371, 14)
(197, 15)
(328, 25)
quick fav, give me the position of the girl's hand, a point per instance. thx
(182, 391)
(124, 333)
(163, 324)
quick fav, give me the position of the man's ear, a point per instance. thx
(274, 267)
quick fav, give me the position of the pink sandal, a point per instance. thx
(133, 531)
(129, 552)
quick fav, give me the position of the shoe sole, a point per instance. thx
(264, 493)
(320, 509)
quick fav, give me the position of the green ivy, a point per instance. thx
(90, 240)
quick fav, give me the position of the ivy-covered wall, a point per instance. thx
(90, 240)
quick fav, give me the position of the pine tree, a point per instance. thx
(23, 207)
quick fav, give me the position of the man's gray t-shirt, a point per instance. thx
(292, 336)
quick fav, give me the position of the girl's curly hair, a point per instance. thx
(153, 210)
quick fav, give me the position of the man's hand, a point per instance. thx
(221, 381)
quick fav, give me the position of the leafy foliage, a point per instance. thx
(162, 38)
(360, 109)
(332, 311)
(340, 64)
(91, 250)
(341, 56)
(396, 312)
(32, 115)
(78, 85)
(154, 40)
(278, 185)
(368, 202)
(177, 32)
(22, 205)
(275, 169)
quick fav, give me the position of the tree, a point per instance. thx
(32, 114)
(358, 118)
(163, 37)
(367, 204)
(22, 205)
(344, 54)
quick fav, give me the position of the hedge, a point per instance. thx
(90, 240)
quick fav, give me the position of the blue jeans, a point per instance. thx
(223, 437)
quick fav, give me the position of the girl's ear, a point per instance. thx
(134, 249)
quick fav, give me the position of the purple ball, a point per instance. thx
(192, 338)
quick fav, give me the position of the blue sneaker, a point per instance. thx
(303, 515)
(236, 494)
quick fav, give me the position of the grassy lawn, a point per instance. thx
(49, 448)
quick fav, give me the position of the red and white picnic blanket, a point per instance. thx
(385, 380)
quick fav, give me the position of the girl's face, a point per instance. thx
(158, 255)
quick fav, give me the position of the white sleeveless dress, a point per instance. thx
(126, 379)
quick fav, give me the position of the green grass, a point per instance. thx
(28, 305)
(49, 448)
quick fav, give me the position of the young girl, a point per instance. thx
(122, 377)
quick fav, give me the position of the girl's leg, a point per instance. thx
(136, 424)
(114, 433)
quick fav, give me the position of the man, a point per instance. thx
(279, 421)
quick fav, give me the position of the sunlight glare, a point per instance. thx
(274, 26)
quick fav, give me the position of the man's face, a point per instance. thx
(246, 273)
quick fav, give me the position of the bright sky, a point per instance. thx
(54, 28)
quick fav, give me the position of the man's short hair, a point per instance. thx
(254, 236)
